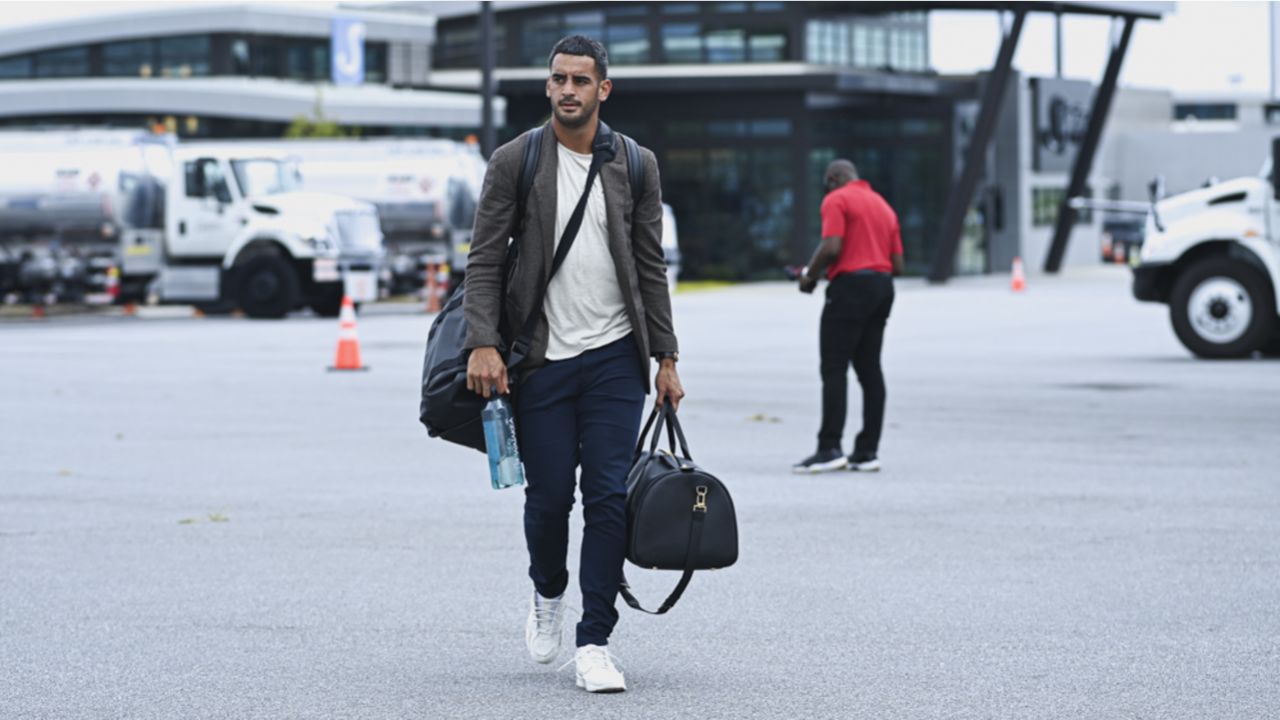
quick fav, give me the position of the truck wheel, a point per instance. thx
(327, 301)
(1222, 308)
(268, 287)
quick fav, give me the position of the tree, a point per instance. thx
(317, 126)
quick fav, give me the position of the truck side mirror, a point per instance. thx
(1275, 167)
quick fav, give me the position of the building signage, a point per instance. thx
(346, 51)
(1060, 116)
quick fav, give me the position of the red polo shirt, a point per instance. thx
(866, 223)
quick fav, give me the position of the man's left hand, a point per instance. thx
(807, 284)
(667, 384)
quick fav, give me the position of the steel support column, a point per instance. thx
(488, 133)
(1088, 147)
(961, 196)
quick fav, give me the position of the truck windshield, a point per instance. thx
(264, 176)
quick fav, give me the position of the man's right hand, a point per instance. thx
(485, 371)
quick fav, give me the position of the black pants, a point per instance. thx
(853, 321)
(582, 412)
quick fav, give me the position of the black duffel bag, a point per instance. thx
(679, 516)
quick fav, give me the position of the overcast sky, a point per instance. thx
(1203, 47)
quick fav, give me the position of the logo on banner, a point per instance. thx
(347, 51)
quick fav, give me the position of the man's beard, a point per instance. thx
(582, 118)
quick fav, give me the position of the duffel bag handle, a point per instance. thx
(665, 414)
(644, 434)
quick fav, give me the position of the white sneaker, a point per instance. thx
(543, 628)
(595, 670)
(864, 463)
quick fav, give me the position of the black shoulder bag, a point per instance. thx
(679, 516)
(448, 409)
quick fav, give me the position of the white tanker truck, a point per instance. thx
(86, 212)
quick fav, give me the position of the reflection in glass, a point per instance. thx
(628, 44)
(537, 37)
(184, 56)
(16, 67)
(768, 48)
(590, 24)
(726, 46)
(127, 59)
(240, 57)
(71, 62)
(681, 42)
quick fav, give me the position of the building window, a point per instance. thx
(297, 60)
(184, 56)
(537, 37)
(679, 8)
(459, 47)
(375, 62)
(129, 59)
(16, 67)
(1045, 202)
(682, 42)
(71, 62)
(627, 10)
(726, 46)
(628, 44)
(896, 41)
(240, 64)
(320, 66)
(1204, 111)
(264, 57)
(768, 47)
(590, 24)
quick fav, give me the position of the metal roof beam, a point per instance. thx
(1084, 157)
(961, 195)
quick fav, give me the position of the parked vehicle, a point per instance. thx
(1213, 256)
(425, 190)
(146, 217)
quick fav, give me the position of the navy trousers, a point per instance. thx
(584, 411)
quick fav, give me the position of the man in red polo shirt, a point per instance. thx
(861, 251)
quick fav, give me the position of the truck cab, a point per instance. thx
(234, 230)
(1213, 256)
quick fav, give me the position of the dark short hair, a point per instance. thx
(586, 47)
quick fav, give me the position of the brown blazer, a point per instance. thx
(635, 241)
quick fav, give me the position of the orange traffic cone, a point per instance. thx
(1019, 282)
(1119, 255)
(433, 297)
(348, 357)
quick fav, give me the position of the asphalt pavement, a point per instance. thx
(1076, 519)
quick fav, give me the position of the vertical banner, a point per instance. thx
(346, 51)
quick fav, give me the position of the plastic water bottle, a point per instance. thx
(505, 468)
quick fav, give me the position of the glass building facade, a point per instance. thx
(194, 55)
(742, 156)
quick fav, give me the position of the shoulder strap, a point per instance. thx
(528, 168)
(635, 169)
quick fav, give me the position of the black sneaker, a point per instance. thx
(864, 462)
(820, 462)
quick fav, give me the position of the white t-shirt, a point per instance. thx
(584, 303)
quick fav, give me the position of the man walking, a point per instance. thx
(862, 245)
(582, 386)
